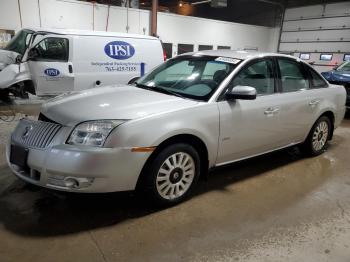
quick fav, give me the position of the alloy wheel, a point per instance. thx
(320, 136)
(175, 175)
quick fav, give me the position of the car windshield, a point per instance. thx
(19, 42)
(344, 67)
(194, 77)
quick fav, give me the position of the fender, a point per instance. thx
(14, 74)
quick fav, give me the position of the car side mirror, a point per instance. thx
(18, 59)
(32, 54)
(241, 92)
(133, 80)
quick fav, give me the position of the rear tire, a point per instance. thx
(172, 175)
(317, 140)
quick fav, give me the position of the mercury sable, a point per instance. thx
(161, 133)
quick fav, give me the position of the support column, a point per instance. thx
(154, 17)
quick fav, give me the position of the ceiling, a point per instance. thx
(256, 12)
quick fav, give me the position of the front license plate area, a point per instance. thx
(19, 157)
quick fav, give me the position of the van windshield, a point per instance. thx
(20, 42)
(194, 77)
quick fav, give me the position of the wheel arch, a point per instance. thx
(197, 143)
(331, 117)
(22, 86)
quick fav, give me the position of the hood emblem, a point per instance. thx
(26, 132)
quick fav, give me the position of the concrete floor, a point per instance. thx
(278, 207)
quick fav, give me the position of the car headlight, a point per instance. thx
(93, 133)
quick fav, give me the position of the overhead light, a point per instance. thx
(180, 4)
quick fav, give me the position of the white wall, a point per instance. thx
(171, 28)
(318, 29)
(189, 30)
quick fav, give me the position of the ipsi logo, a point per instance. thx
(119, 50)
(51, 72)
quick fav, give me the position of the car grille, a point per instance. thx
(35, 134)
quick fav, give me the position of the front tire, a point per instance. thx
(317, 140)
(172, 174)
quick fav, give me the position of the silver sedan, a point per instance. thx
(162, 132)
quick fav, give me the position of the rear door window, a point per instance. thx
(293, 77)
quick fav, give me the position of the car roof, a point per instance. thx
(89, 33)
(238, 54)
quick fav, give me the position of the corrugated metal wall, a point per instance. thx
(317, 30)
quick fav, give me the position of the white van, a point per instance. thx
(50, 62)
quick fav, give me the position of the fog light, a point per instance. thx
(70, 182)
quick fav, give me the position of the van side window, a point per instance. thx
(259, 75)
(292, 76)
(316, 80)
(52, 49)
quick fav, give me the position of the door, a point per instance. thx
(251, 127)
(50, 66)
(300, 103)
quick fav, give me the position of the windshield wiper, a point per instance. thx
(143, 86)
(159, 89)
(167, 91)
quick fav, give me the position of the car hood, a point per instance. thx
(340, 76)
(112, 102)
(7, 58)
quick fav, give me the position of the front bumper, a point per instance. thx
(97, 170)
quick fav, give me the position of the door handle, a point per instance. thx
(314, 102)
(271, 111)
(70, 69)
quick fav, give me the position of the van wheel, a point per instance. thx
(172, 174)
(317, 140)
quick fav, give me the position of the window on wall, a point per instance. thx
(250, 48)
(184, 48)
(222, 47)
(326, 57)
(52, 49)
(205, 47)
(293, 76)
(305, 56)
(346, 57)
(168, 47)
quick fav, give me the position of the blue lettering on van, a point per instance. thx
(119, 50)
(52, 72)
(142, 69)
